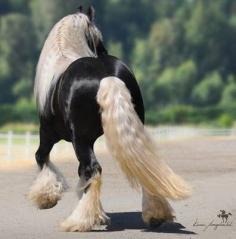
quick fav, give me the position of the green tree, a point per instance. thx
(229, 94)
(182, 51)
(115, 49)
(209, 90)
(175, 84)
(210, 36)
(126, 22)
(17, 51)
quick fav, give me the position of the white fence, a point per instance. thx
(24, 146)
(12, 145)
(167, 133)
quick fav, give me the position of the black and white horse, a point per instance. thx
(82, 92)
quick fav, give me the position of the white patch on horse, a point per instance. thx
(48, 187)
(155, 209)
(89, 211)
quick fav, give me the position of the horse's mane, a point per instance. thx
(66, 42)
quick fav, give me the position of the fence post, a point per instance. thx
(9, 145)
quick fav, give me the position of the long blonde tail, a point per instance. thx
(131, 145)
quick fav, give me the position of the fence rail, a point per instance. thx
(188, 132)
(12, 145)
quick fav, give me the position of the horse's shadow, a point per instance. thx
(133, 220)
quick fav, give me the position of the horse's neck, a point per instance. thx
(65, 44)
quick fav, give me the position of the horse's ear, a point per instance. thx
(91, 13)
(80, 8)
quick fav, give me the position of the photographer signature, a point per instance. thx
(224, 221)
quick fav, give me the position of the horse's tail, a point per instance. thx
(131, 145)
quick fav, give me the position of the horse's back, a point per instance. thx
(78, 90)
(95, 69)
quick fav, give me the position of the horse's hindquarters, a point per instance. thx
(83, 110)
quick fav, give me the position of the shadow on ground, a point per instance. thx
(133, 220)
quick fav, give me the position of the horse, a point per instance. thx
(82, 92)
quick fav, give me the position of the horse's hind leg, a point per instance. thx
(155, 209)
(49, 184)
(89, 211)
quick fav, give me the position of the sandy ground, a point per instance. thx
(208, 164)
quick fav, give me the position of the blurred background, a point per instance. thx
(183, 53)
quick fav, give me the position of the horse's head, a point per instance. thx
(85, 20)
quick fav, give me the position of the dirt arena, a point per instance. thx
(208, 164)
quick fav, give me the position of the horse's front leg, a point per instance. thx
(49, 184)
(89, 211)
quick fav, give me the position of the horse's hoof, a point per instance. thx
(47, 205)
(84, 225)
(45, 198)
(46, 190)
(104, 220)
(72, 226)
(45, 201)
(153, 223)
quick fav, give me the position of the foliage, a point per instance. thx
(225, 121)
(17, 51)
(209, 90)
(20, 128)
(183, 54)
(22, 111)
(182, 114)
(175, 84)
(229, 93)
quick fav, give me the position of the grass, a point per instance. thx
(19, 141)
(20, 128)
